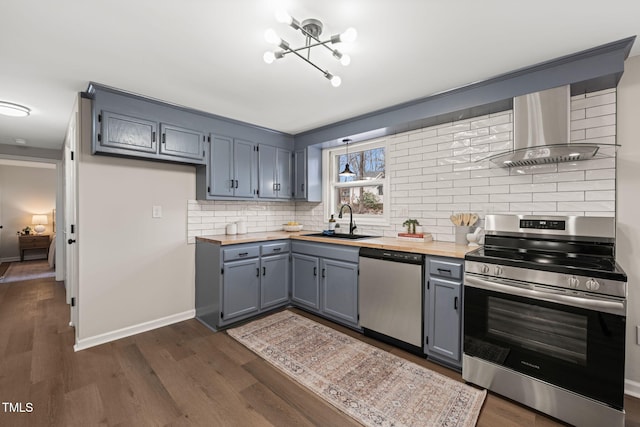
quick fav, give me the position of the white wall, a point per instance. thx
(27, 188)
(135, 272)
(628, 201)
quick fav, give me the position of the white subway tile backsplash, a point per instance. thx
(592, 206)
(510, 198)
(559, 177)
(511, 179)
(562, 196)
(599, 132)
(600, 195)
(600, 174)
(440, 170)
(593, 185)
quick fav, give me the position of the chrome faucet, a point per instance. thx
(352, 224)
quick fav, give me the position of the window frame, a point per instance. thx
(331, 185)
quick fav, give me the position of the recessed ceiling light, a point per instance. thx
(20, 141)
(13, 110)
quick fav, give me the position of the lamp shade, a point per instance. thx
(39, 221)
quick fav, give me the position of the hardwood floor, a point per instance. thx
(179, 375)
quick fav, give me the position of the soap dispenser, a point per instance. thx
(332, 224)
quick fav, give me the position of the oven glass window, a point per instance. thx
(544, 330)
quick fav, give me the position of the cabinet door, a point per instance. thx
(445, 311)
(240, 288)
(306, 284)
(244, 168)
(220, 166)
(283, 174)
(181, 142)
(274, 287)
(340, 290)
(267, 171)
(300, 174)
(128, 133)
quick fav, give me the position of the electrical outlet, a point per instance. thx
(156, 212)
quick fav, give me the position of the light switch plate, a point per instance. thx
(156, 212)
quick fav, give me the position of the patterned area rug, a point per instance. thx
(371, 385)
(28, 270)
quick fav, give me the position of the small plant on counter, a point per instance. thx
(26, 230)
(411, 225)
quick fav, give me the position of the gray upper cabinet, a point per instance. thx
(232, 170)
(307, 174)
(182, 142)
(129, 133)
(132, 136)
(274, 172)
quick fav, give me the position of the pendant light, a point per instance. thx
(346, 172)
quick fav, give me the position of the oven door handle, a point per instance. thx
(608, 305)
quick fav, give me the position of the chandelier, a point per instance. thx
(311, 29)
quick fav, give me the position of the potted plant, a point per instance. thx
(26, 230)
(411, 225)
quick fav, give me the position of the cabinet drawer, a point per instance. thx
(275, 248)
(452, 270)
(241, 253)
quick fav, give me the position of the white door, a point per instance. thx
(70, 165)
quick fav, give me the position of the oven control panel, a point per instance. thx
(543, 224)
(575, 283)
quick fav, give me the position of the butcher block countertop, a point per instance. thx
(447, 249)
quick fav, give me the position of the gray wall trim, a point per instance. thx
(25, 153)
(108, 96)
(590, 70)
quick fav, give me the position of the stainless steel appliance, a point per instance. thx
(390, 297)
(544, 316)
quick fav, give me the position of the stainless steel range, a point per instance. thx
(544, 316)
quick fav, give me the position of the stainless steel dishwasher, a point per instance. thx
(391, 295)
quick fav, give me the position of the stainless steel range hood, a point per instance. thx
(541, 131)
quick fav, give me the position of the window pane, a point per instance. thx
(364, 200)
(366, 164)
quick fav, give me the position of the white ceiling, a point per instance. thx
(207, 54)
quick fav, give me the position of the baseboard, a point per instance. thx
(10, 259)
(85, 343)
(632, 388)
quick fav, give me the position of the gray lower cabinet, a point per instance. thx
(235, 282)
(340, 290)
(240, 289)
(274, 289)
(443, 310)
(325, 280)
(305, 289)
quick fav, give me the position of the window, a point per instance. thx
(366, 192)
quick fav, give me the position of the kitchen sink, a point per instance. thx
(342, 236)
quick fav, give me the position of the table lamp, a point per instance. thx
(39, 221)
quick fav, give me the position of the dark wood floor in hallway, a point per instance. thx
(179, 375)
